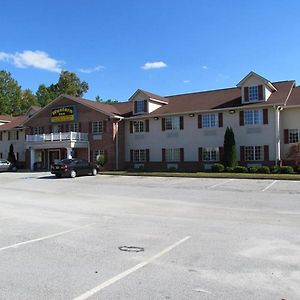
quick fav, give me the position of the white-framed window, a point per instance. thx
(139, 106)
(210, 154)
(293, 136)
(74, 127)
(12, 135)
(172, 123)
(139, 126)
(173, 154)
(209, 120)
(38, 130)
(97, 153)
(253, 153)
(97, 127)
(139, 155)
(253, 93)
(253, 117)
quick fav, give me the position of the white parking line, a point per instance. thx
(44, 237)
(118, 277)
(266, 188)
(218, 184)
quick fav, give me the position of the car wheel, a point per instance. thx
(14, 169)
(73, 174)
(94, 172)
(58, 175)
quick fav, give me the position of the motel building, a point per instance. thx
(184, 132)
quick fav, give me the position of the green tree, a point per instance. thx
(107, 101)
(27, 99)
(10, 94)
(45, 94)
(11, 155)
(229, 149)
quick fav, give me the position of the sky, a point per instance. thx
(163, 46)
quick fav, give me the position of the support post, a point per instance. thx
(32, 159)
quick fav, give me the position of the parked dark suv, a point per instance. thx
(73, 167)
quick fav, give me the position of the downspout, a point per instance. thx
(277, 133)
(117, 144)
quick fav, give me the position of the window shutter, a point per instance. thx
(0, 137)
(163, 124)
(241, 118)
(145, 106)
(79, 127)
(31, 130)
(91, 156)
(104, 125)
(147, 125)
(163, 154)
(200, 153)
(17, 134)
(260, 92)
(8, 135)
(147, 155)
(246, 94)
(266, 152)
(265, 116)
(181, 154)
(90, 127)
(286, 136)
(242, 153)
(199, 121)
(67, 127)
(221, 153)
(181, 122)
(131, 155)
(131, 126)
(105, 155)
(62, 127)
(220, 117)
(50, 128)
(135, 106)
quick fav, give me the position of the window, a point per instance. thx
(173, 154)
(253, 93)
(139, 126)
(139, 155)
(97, 127)
(38, 130)
(17, 155)
(1, 155)
(97, 153)
(253, 117)
(210, 154)
(253, 153)
(139, 106)
(12, 135)
(293, 136)
(73, 127)
(209, 120)
(172, 123)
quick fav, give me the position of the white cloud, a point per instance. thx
(91, 70)
(154, 65)
(35, 59)
(205, 67)
(186, 81)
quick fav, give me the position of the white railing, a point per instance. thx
(57, 137)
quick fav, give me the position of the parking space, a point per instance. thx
(201, 238)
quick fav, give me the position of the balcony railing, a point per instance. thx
(58, 137)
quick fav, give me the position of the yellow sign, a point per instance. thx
(63, 114)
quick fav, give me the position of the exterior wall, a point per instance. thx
(19, 145)
(254, 81)
(289, 119)
(153, 106)
(192, 137)
(85, 115)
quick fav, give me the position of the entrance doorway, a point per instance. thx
(54, 155)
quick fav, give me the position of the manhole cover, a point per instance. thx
(131, 249)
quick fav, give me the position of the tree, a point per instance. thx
(229, 149)
(10, 94)
(68, 83)
(294, 153)
(107, 101)
(11, 155)
(27, 99)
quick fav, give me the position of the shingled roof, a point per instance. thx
(17, 122)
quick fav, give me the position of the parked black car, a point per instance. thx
(73, 167)
(5, 165)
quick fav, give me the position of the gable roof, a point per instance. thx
(17, 122)
(149, 95)
(294, 98)
(6, 118)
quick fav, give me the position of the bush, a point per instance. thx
(229, 169)
(172, 169)
(217, 168)
(252, 169)
(240, 169)
(275, 169)
(263, 170)
(286, 170)
(101, 160)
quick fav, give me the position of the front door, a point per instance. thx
(54, 155)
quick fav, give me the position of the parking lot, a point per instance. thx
(201, 238)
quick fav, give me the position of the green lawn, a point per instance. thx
(207, 175)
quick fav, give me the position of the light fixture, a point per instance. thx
(232, 111)
(191, 115)
(156, 118)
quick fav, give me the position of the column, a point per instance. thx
(32, 159)
(69, 153)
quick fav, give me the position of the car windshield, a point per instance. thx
(66, 161)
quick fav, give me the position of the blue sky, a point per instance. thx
(163, 46)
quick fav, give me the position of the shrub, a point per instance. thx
(252, 169)
(229, 158)
(229, 169)
(263, 170)
(172, 169)
(101, 160)
(217, 168)
(286, 170)
(275, 169)
(240, 169)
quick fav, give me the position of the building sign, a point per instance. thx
(63, 114)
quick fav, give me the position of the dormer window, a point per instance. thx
(140, 106)
(253, 93)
